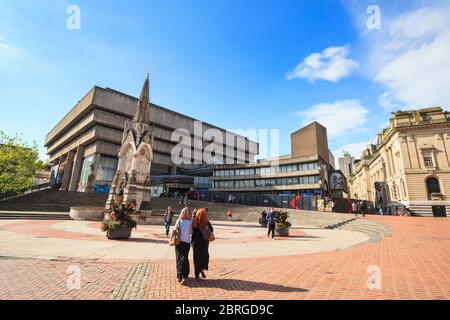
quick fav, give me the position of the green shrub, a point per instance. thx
(119, 216)
(281, 220)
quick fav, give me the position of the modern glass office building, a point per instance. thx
(297, 180)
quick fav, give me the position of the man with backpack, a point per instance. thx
(270, 218)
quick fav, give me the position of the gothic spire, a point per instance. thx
(142, 113)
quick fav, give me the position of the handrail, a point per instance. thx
(12, 194)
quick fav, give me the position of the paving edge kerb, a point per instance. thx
(133, 284)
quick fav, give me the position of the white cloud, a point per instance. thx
(341, 118)
(331, 64)
(7, 49)
(412, 58)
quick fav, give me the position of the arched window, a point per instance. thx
(432, 186)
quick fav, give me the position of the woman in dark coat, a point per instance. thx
(200, 245)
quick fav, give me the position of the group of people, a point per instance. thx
(359, 207)
(194, 229)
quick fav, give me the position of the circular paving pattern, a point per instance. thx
(83, 239)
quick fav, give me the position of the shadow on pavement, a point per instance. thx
(241, 285)
(144, 240)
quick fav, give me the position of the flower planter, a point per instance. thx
(119, 233)
(282, 232)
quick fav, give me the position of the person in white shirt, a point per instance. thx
(184, 227)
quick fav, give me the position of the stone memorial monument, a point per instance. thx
(131, 182)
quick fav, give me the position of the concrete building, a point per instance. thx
(295, 180)
(410, 164)
(346, 164)
(91, 132)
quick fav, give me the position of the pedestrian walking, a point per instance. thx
(168, 216)
(184, 225)
(229, 214)
(202, 234)
(363, 208)
(270, 218)
(355, 208)
(380, 211)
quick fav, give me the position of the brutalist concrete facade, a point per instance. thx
(91, 132)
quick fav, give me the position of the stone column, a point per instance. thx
(76, 171)
(67, 170)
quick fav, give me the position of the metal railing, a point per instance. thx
(13, 194)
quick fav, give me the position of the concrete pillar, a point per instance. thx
(173, 170)
(67, 170)
(76, 171)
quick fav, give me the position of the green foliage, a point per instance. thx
(281, 220)
(18, 163)
(120, 216)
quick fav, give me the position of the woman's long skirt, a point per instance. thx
(182, 260)
(201, 253)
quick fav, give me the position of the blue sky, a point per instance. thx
(236, 64)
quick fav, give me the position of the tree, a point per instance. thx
(18, 163)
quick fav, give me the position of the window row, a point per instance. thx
(267, 170)
(262, 183)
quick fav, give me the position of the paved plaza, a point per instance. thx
(411, 261)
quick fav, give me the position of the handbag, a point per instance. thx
(175, 236)
(208, 235)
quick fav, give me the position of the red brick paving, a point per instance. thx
(414, 261)
(415, 264)
(44, 279)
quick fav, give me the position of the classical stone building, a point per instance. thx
(410, 164)
(84, 143)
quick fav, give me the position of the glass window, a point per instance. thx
(107, 168)
(428, 159)
(257, 171)
(85, 171)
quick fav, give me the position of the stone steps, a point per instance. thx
(15, 215)
(375, 231)
(50, 200)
